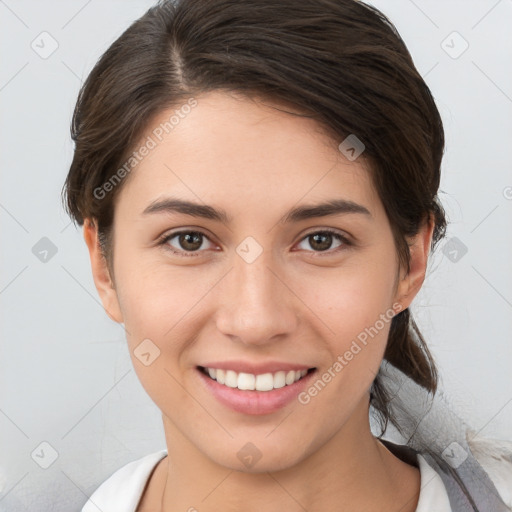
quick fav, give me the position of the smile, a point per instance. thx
(252, 382)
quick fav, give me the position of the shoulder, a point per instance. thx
(495, 457)
(123, 489)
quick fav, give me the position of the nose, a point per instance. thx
(256, 304)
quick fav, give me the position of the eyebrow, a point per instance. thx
(171, 205)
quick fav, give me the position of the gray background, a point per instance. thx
(66, 376)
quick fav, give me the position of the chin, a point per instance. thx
(258, 456)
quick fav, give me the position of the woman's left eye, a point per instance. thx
(190, 242)
(323, 240)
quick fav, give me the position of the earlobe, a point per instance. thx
(419, 248)
(101, 274)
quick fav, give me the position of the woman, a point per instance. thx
(257, 184)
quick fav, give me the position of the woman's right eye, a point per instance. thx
(188, 243)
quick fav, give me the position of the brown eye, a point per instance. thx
(186, 242)
(321, 241)
(190, 241)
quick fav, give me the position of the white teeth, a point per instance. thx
(279, 380)
(246, 381)
(231, 379)
(264, 382)
(290, 377)
(251, 382)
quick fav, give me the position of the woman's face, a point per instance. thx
(253, 284)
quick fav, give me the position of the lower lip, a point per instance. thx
(255, 402)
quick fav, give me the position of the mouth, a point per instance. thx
(255, 382)
(254, 393)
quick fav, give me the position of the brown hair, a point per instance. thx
(341, 62)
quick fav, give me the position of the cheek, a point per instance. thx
(158, 313)
(158, 302)
(352, 297)
(356, 306)
(353, 304)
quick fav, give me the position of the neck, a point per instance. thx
(353, 471)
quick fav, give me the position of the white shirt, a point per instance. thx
(122, 491)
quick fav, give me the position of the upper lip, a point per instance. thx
(255, 368)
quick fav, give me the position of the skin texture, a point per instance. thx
(294, 303)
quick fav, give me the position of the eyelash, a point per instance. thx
(163, 241)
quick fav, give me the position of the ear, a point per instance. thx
(419, 247)
(101, 274)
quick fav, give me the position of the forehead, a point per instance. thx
(250, 155)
